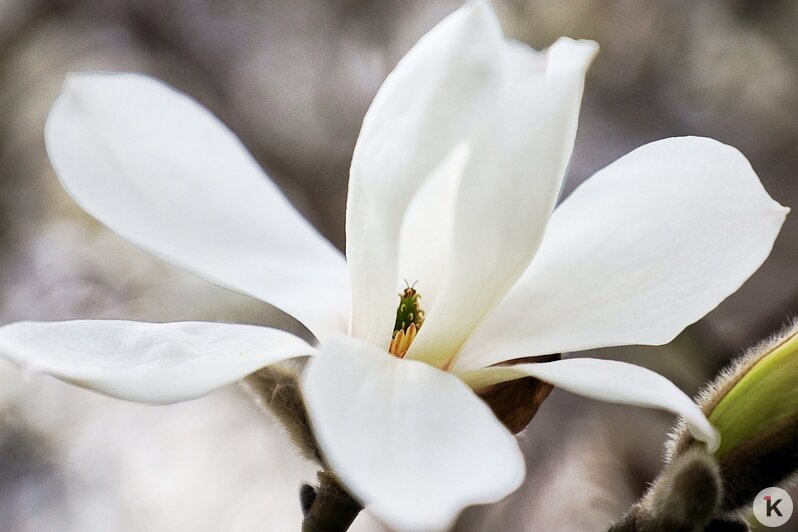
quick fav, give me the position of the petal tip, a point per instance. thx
(79, 81)
(587, 46)
(480, 12)
(714, 443)
(482, 7)
(708, 435)
(579, 53)
(73, 80)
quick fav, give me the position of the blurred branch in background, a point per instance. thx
(293, 78)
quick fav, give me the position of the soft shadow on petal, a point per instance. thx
(427, 228)
(163, 172)
(420, 113)
(147, 362)
(642, 249)
(507, 193)
(606, 380)
(425, 245)
(414, 443)
(427, 223)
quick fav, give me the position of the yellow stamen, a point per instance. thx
(402, 339)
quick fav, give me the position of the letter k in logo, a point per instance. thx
(771, 506)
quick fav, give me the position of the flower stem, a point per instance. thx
(328, 507)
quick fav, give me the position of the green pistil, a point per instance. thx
(408, 311)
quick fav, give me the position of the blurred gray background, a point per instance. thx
(293, 79)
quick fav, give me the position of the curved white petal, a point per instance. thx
(507, 193)
(413, 443)
(420, 113)
(426, 232)
(607, 380)
(642, 249)
(163, 172)
(427, 228)
(147, 362)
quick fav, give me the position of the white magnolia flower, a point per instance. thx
(453, 185)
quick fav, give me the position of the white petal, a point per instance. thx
(507, 193)
(523, 61)
(414, 443)
(421, 112)
(147, 362)
(427, 228)
(607, 380)
(567, 56)
(642, 249)
(164, 173)
(564, 56)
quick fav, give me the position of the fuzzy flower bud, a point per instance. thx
(754, 406)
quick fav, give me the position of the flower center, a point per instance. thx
(409, 318)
